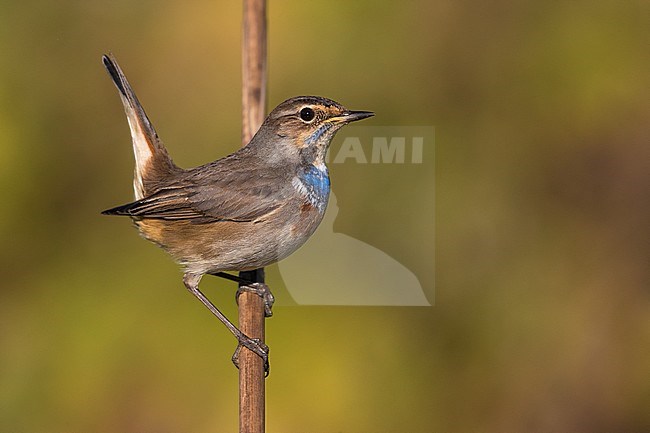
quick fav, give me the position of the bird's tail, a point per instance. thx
(152, 162)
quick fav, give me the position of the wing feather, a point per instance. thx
(209, 194)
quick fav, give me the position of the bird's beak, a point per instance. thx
(353, 116)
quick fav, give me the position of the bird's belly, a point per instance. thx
(234, 246)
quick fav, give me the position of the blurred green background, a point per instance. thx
(541, 320)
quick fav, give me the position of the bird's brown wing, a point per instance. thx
(210, 194)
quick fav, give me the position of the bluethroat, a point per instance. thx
(245, 211)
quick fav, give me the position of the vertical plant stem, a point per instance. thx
(251, 306)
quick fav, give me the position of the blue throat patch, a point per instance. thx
(317, 185)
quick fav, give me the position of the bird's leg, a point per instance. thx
(191, 281)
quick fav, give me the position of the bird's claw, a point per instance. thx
(261, 290)
(256, 346)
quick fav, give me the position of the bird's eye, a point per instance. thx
(307, 114)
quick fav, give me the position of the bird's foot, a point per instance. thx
(261, 290)
(256, 346)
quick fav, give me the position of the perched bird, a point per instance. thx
(245, 211)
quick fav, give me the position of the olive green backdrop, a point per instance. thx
(541, 316)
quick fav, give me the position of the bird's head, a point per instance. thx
(306, 125)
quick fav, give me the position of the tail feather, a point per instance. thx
(151, 157)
